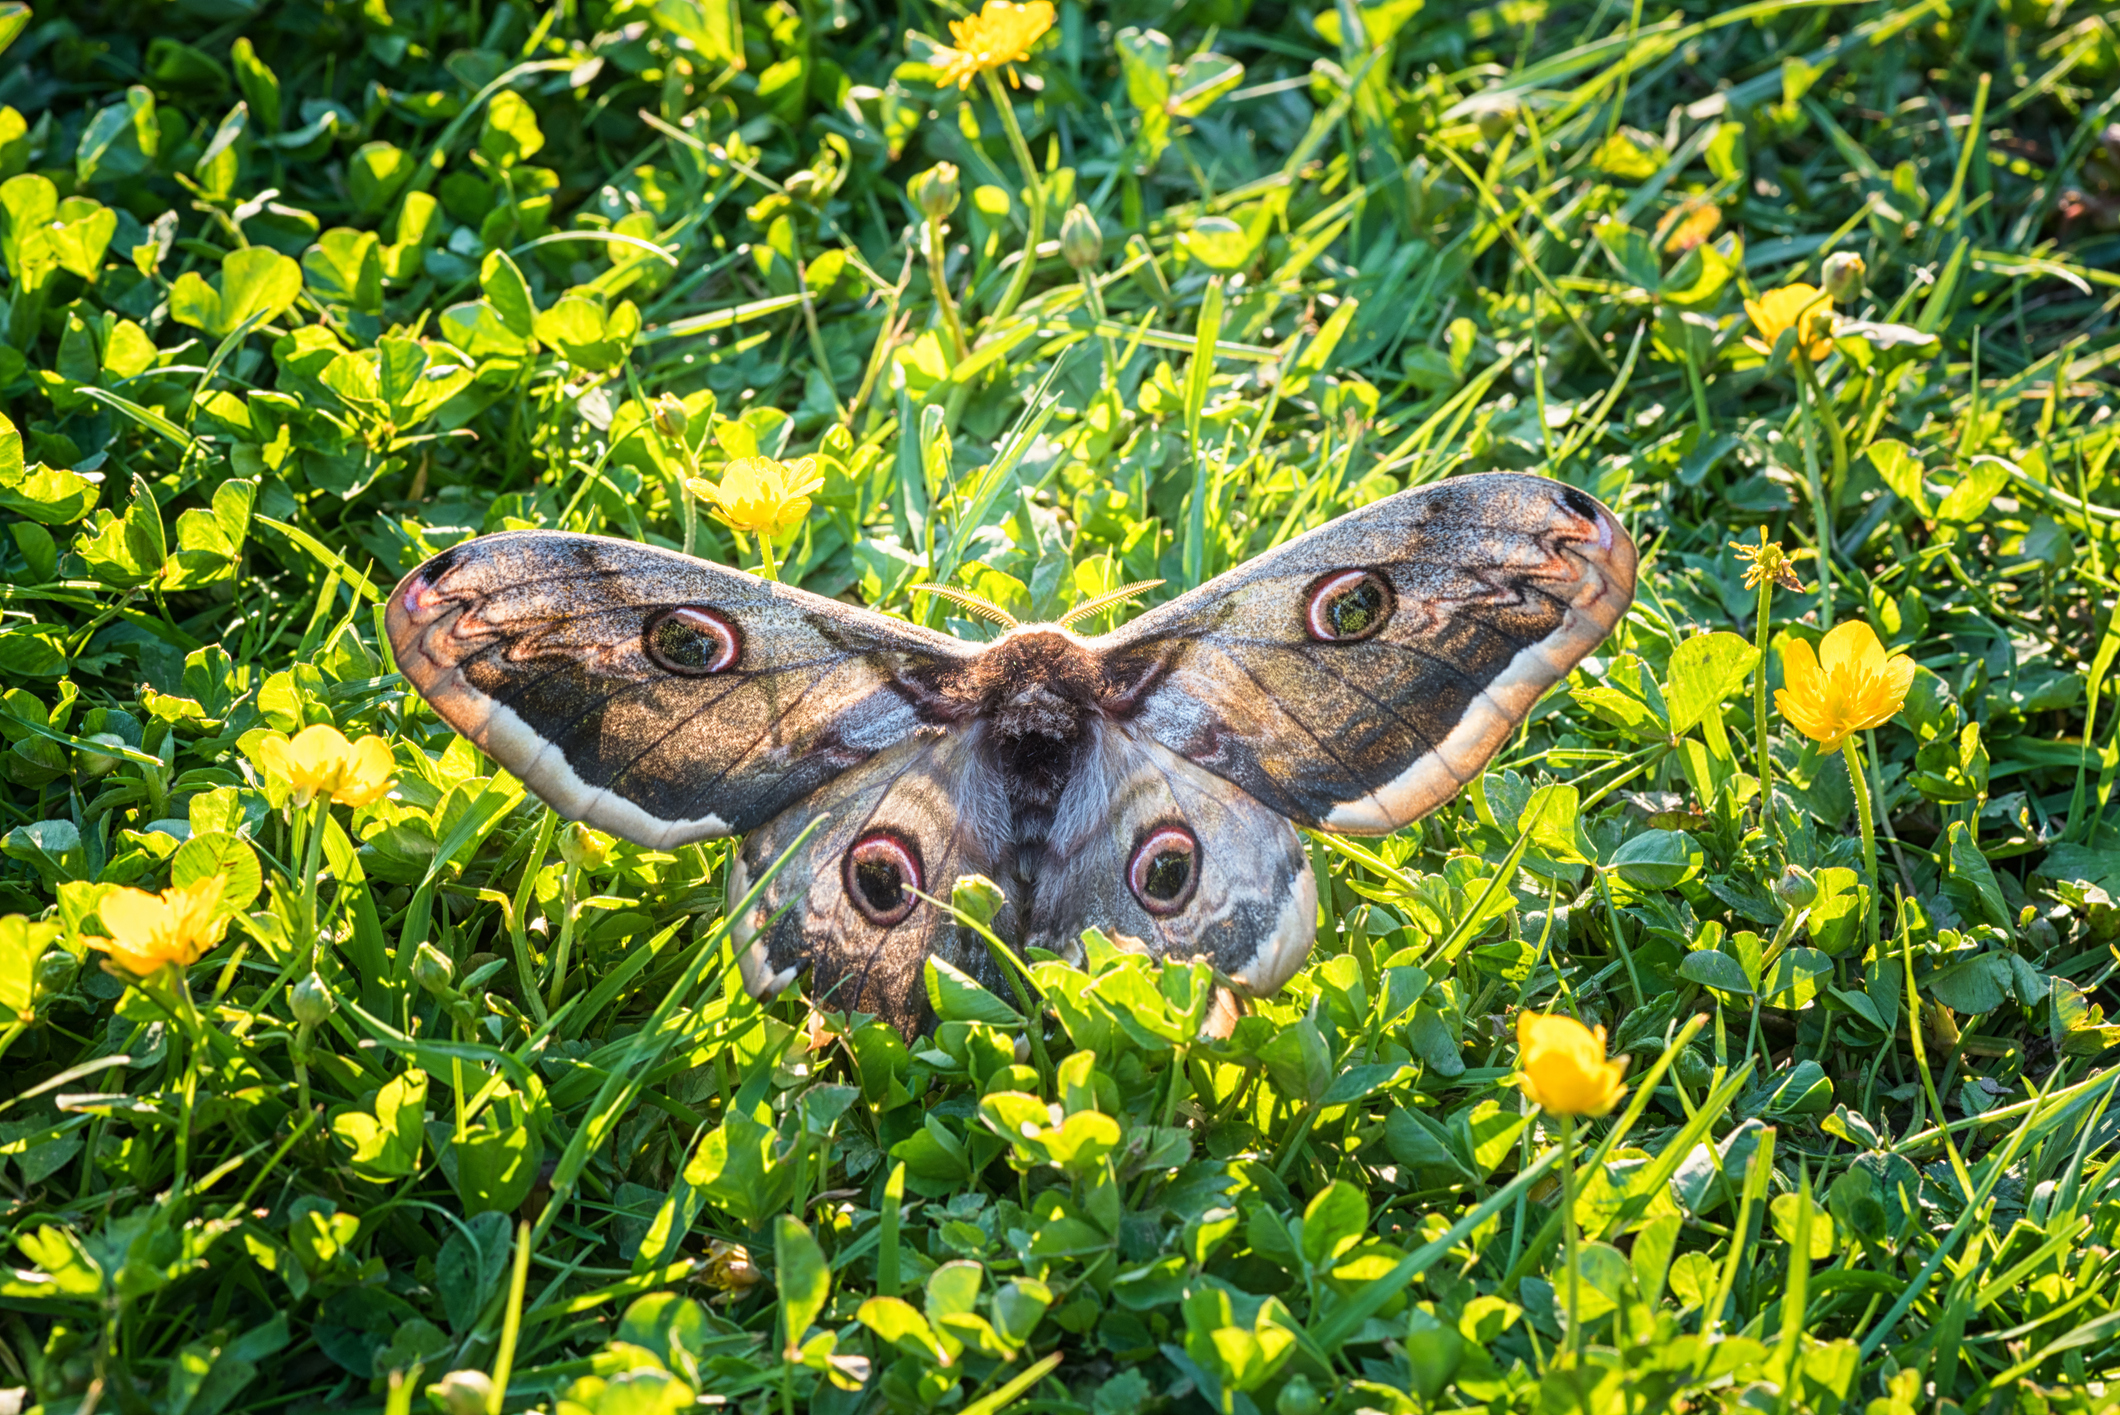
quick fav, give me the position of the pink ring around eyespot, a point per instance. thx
(881, 863)
(692, 640)
(1316, 613)
(1149, 858)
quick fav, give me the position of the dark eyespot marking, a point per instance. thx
(1580, 504)
(1165, 869)
(692, 640)
(883, 877)
(1347, 606)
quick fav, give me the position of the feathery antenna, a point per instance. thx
(1105, 601)
(985, 609)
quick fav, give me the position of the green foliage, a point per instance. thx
(298, 295)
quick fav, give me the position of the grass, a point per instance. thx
(300, 293)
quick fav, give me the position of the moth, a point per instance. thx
(1148, 781)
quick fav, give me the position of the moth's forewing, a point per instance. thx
(1488, 591)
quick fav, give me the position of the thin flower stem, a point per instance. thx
(511, 1320)
(1569, 1236)
(1699, 389)
(518, 921)
(1821, 518)
(1095, 297)
(1035, 188)
(1920, 1049)
(809, 324)
(1859, 780)
(767, 570)
(189, 1094)
(1884, 812)
(300, 1051)
(569, 887)
(940, 281)
(1619, 941)
(680, 452)
(1761, 630)
(1836, 441)
(319, 810)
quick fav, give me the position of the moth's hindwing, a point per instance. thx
(848, 907)
(1149, 847)
(649, 694)
(1359, 676)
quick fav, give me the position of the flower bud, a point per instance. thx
(1843, 277)
(582, 847)
(1796, 887)
(312, 1001)
(1299, 1397)
(99, 764)
(1081, 239)
(472, 967)
(432, 970)
(1693, 1069)
(670, 417)
(1496, 121)
(55, 972)
(935, 191)
(978, 897)
(462, 1393)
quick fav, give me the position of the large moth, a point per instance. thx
(1147, 781)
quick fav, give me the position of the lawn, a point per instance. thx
(446, 1104)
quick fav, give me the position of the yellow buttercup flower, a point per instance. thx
(1804, 308)
(1847, 686)
(760, 495)
(319, 761)
(1000, 35)
(151, 931)
(1563, 1065)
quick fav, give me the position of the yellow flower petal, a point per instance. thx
(1799, 665)
(369, 775)
(1001, 34)
(1898, 679)
(149, 931)
(1798, 306)
(1563, 1065)
(1850, 685)
(131, 914)
(1849, 647)
(312, 762)
(764, 496)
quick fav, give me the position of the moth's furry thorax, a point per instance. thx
(1038, 680)
(1032, 682)
(1034, 701)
